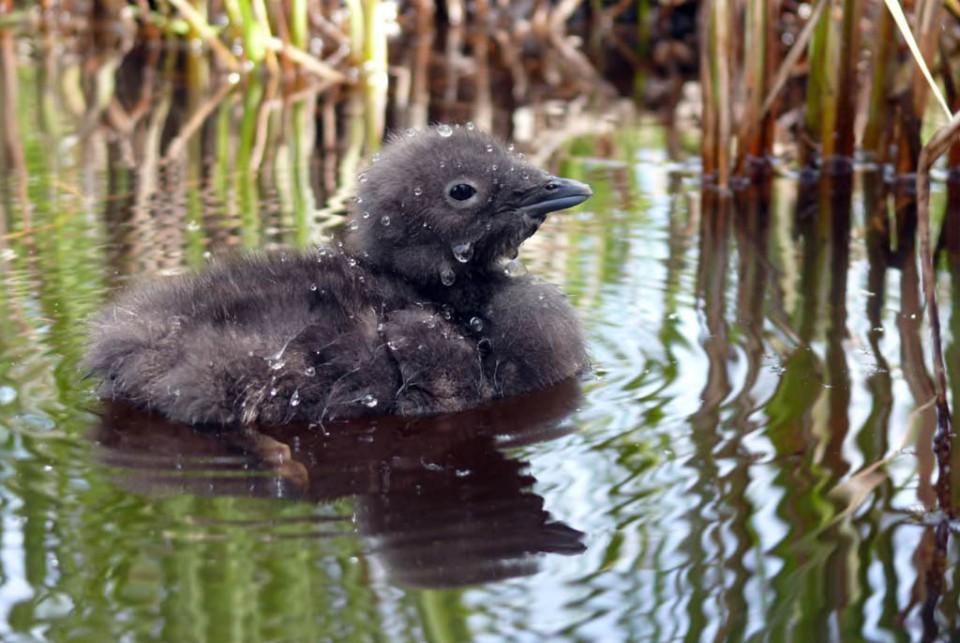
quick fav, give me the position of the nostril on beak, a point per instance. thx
(551, 186)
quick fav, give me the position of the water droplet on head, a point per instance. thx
(295, 398)
(515, 268)
(313, 287)
(444, 130)
(443, 164)
(309, 371)
(447, 277)
(410, 132)
(358, 199)
(351, 262)
(418, 190)
(463, 252)
(362, 177)
(368, 401)
(476, 324)
(366, 214)
(470, 126)
(494, 168)
(509, 147)
(353, 225)
(385, 220)
(489, 147)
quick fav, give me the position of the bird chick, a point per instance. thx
(412, 314)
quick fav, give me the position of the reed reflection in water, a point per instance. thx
(438, 501)
(752, 460)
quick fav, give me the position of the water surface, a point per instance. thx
(749, 458)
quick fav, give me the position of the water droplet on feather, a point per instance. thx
(463, 252)
(515, 268)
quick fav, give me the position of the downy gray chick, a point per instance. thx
(412, 314)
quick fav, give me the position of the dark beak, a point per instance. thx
(555, 194)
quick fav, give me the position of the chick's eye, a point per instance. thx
(462, 191)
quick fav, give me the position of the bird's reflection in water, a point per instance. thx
(439, 501)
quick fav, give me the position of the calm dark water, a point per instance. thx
(749, 459)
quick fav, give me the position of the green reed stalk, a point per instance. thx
(223, 154)
(831, 88)
(715, 76)
(205, 31)
(444, 615)
(255, 33)
(246, 175)
(298, 23)
(725, 49)
(849, 54)
(708, 147)
(821, 99)
(301, 148)
(876, 132)
(368, 42)
(759, 47)
(927, 18)
(754, 53)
